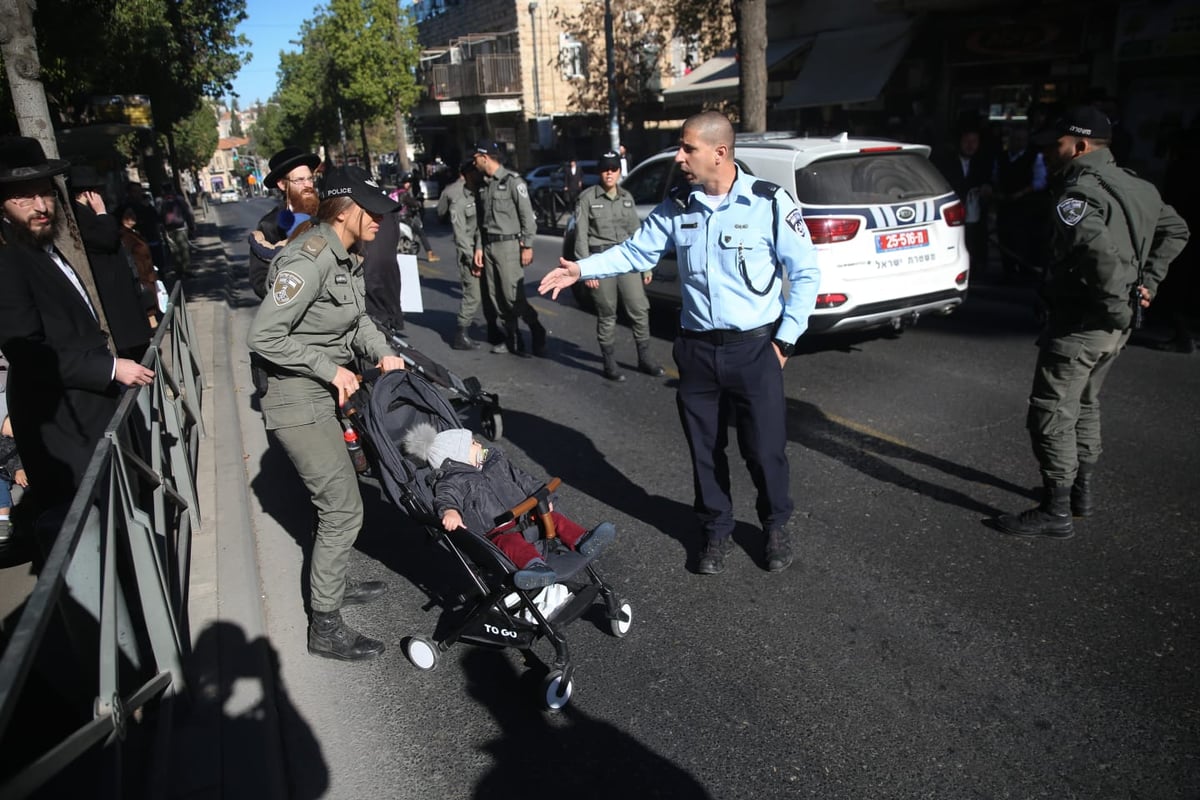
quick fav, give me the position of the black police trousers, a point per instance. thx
(741, 381)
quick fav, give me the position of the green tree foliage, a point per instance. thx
(196, 137)
(360, 55)
(642, 34)
(269, 134)
(235, 120)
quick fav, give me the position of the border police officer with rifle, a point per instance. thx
(1113, 241)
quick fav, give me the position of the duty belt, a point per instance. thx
(599, 248)
(499, 237)
(729, 335)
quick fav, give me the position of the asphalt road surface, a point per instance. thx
(909, 652)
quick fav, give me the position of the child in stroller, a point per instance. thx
(473, 486)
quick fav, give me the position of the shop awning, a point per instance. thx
(848, 66)
(718, 77)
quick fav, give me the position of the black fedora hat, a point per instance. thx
(83, 177)
(23, 159)
(287, 160)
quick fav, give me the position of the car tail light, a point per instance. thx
(826, 230)
(880, 149)
(961, 278)
(830, 300)
(955, 214)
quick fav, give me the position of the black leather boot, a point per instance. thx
(462, 341)
(330, 637)
(1081, 490)
(1051, 519)
(515, 343)
(537, 332)
(779, 550)
(610, 365)
(359, 592)
(645, 365)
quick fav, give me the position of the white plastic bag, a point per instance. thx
(163, 297)
(548, 601)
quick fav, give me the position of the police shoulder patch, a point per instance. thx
(286, 286)
(522, 190)
(795, 221)
(1071, 210)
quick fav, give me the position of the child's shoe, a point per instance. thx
(595, 540)
(535, 576)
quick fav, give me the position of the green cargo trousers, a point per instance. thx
(632, 293)
(1064, 405)
(302, 415)
(471, 296)
(506, 283)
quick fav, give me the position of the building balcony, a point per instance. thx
(495, 75)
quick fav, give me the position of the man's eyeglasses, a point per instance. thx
(27, 200)
(309, 180)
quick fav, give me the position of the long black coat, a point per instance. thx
(61, 394)
(257, 266)
(119, 289)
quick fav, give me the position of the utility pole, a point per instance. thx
(614, 127)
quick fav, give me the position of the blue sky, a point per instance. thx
(269, 25)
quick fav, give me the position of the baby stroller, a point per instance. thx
(497, 614)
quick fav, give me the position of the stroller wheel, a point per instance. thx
(422, 652)
(492, 422)
(623, 621)
(555, 693)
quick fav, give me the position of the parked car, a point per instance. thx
(229, 196)
(887, 227)
(539, 177)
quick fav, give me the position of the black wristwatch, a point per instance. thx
(785, 349)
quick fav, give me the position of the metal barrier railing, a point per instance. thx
(135, 510)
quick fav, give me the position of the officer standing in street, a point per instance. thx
(1113, 241)
(604, 217)
(504, 247)
(459, 202)
(735, 237)
(311, 324)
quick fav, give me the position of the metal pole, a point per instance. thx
(614, 128)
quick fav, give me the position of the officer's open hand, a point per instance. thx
(131, 373)
(346, 383)
(389, 363)
(560, 278)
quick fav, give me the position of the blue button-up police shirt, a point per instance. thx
(709, 246)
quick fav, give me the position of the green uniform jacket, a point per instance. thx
(459, 205)
(1107, 224)
(506, 210)
(314, 317)
(602, 221)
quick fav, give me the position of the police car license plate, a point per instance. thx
(901, 240)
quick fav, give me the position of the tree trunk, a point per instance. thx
(751, 17)
(401, 141)
(18, 47)
(366, 151)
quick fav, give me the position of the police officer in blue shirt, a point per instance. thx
(734, 236)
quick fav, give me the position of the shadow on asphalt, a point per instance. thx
(576, 754)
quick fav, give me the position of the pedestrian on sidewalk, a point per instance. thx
(176, 214)
(291, 171)
(605, 216)
(313, 323)
(737, 328)
(1113, 240)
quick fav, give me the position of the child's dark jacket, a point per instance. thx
(480, 495)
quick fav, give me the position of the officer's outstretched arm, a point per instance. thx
(560, 278)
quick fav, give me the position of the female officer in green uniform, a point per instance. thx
(311, 323)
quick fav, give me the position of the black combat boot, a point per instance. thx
(712, 560)
(1081, 490)
(779, 550)
(537, 332)
(645, 365)
(1051, 519)
(610, 365)
(359, 592)
(330, 637)
(462, 341)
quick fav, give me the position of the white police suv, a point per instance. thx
(887, 226)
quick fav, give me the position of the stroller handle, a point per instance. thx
(535, 500)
